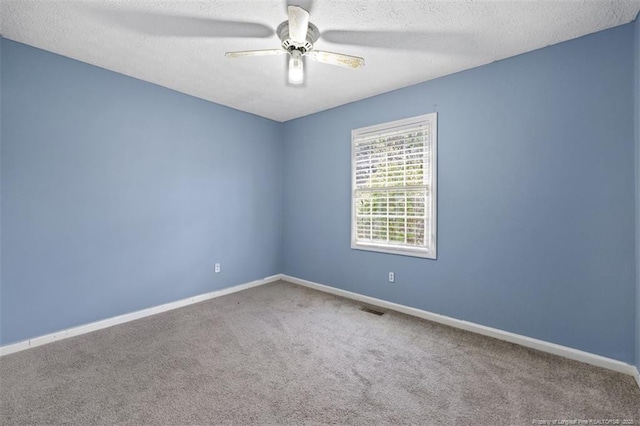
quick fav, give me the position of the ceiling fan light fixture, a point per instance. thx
(296, 67)
(297, 36)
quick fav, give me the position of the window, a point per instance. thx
(394, 187)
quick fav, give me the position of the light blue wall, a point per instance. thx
(637, 123)
(536, 196)
(1, 189)
(120, 195)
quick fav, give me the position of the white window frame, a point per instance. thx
(430, 252)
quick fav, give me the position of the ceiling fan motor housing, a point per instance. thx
(287, 44)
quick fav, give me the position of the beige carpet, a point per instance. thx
(283, 354)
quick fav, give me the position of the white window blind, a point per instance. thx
(394, 187)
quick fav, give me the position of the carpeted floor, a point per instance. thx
(284, 354)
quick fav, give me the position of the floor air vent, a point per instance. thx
(372, 311)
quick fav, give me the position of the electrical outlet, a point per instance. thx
(217, 268)
(392, 277)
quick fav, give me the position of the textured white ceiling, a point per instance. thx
(181, 44)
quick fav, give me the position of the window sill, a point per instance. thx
(402, 251)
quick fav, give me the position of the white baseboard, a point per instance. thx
(528, 342)
(109, 322)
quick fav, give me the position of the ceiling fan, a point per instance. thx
(297, 35)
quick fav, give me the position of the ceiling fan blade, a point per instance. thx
(161, 24)
(346, 61)
(298, 24)
(450, 43)
(266, 52)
